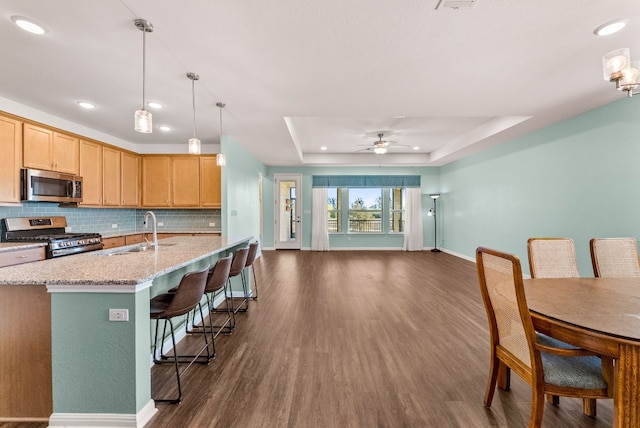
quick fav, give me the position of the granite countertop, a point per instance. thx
(162, 230)
(115, 267)
(13, 246)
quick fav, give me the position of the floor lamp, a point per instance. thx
(432, 212)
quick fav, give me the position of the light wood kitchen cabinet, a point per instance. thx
(21, 255)
(113, 242)
(171, 181)
(210, 183)
(11, 159)
(156, 181)
(50, 150)
(91, 172)
(185, 181)
(130, 179)
(111, 177)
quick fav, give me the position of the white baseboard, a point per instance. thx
(104, 420)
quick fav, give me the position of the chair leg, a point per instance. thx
(589, 407)
(537, 408)
(504, 377)
(554, 400)
(493, 378)
(175, 363)
(255, 282)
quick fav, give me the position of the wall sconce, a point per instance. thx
(618, 67)
(221, 159)
(432, 212)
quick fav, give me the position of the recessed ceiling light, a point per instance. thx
(164, 128)
(154, 105)
(399, 117)
(416, 148)
(610, 27)
(86, 105)
(323, 148)
(28, 25)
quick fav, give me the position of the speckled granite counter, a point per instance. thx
(115, 267)
(12, 246)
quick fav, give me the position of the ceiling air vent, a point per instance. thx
(455, 4)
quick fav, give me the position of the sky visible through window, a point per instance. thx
(369, 196)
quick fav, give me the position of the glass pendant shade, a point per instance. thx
(379, 150)
(194, 146)
(631, 76)
(143, 121)
(614, 63)
(221, 159)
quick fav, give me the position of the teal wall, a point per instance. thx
(429, 184)
(578, 179)
(240, 191)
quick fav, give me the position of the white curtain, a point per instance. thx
(319, 217)
(413, 220)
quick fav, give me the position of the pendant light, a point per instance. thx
(194, 143)
(143, 119)
(221, 160)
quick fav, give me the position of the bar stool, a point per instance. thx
(251, 257)
(170, 305)
(237, 268)
(216, 282)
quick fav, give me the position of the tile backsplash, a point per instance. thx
(101, 220)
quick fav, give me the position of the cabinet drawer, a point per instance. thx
(16, 257)
(117, 241)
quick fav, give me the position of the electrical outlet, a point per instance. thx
(114, 226)
(212, 224)
(118, 314)
(160, 224)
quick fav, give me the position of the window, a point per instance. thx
(334, 198)
(365, 210)
(396, 209)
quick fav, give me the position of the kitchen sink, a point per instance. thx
(131, 250)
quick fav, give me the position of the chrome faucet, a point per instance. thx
(154, 224)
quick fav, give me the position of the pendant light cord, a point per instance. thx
(193, 97)
(144, 64)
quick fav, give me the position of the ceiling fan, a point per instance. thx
(380, 146)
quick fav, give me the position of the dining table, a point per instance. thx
(601, 315)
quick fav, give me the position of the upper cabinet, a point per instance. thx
(210, 183)
(185, 181)
(111, 177)
(91, 172)
(130, 178)
(11, 159)
(50, 150)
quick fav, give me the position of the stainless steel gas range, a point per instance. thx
(51, 230)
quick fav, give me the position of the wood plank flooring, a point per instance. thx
(356, 339)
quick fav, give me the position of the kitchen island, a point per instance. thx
(70, 365)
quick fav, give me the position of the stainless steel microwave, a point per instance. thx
(50, 186)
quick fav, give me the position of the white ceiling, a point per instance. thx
(298, 75)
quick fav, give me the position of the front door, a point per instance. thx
(288, 211)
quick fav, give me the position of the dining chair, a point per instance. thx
(614, 257)
(556, 258)
(537, 359)
(552, 258)
(251, 258)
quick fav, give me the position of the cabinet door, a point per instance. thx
(156, 181)
(11, 159)
(91, 172)
(38, 147)
(111, 169)
(130, 179)
(65, 153)
(185, 175)
(210, 183)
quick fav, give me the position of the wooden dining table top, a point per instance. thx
(610, 306)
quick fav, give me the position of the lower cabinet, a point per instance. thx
(21, 255)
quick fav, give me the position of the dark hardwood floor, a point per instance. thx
(356, 339)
